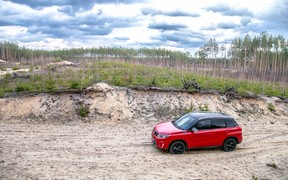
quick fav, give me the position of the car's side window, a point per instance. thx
(204, 124)
(218, 123)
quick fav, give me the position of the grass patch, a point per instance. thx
(129, 74)
(75, 85)
(50, 85)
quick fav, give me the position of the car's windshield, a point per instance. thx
(184, 122)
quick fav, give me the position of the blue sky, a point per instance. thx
(174, 24)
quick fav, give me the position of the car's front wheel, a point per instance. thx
(229, 145)
(177, 147)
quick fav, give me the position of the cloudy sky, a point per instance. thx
(175, 24)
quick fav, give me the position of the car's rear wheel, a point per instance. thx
(229, 145)
(177, 147)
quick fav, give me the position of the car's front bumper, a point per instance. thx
(159, 143)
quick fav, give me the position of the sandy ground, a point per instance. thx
(124, 151)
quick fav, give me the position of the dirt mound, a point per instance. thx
(62, 63)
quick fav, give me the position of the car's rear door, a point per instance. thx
(218, 132)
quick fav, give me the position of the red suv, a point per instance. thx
(197, 130)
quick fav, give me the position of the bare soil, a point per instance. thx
(123, 150)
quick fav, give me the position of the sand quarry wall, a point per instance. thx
(113, 104)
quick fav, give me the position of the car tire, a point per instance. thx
(229, 144)
(177, 147)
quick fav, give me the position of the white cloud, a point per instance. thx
(174, 24)
(47, 43)
(12, 31)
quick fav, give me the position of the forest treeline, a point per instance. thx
(10, 51)
(263, 57)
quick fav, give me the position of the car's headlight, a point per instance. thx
(163, 136)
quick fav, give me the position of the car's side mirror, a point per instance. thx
(194, 129)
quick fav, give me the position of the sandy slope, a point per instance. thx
(124, 151)
(42, 137)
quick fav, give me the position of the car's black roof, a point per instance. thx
(208, 115)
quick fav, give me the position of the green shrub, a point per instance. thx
(15, 68)
(271, 107)
(19, 88)
(3, 69)
(31, 68)
(83, 111)
(22, 87)
(190, 108)
(203, 107)
(7, 77)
